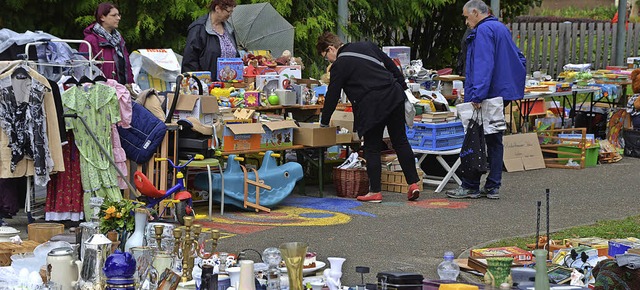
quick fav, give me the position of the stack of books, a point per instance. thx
(438, 117)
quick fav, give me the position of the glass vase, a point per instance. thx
(542, 277)
(293, 254)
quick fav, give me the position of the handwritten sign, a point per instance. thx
(522, 152)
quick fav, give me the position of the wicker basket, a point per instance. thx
(350, 182)
(42, 232)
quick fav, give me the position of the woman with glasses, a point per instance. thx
(210, 37)
(107, 44)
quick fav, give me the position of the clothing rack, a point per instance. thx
(90, 62)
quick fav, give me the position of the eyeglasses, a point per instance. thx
(114, 15)
(325, 52)
(229, 10)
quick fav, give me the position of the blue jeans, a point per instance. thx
(495, 151)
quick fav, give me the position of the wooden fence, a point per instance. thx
(549, 46)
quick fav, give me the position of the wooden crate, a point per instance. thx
(394, 181)
(7, 249)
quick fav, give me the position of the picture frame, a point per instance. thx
(560, 275)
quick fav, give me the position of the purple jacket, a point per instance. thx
(98, 44)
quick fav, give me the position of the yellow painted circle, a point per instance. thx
(288, 216)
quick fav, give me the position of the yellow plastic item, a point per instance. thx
(457, 287)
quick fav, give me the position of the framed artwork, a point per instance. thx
(560, 275)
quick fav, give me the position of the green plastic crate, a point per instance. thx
(591, 155)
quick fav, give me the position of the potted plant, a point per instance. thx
(118, 216)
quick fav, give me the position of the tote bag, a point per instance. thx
(473, 154)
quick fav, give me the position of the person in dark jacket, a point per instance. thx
(108, 45)
(375, 87)
(495, 67)
(210, 37)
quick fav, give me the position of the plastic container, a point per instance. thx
(448, 270)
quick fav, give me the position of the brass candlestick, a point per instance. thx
(187, 247)
(159, 230)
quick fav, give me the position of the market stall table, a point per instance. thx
(525, 106)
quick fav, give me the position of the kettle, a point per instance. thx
(62, 267)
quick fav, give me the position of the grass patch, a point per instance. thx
(610, 229)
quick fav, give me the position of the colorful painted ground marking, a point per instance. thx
(440, 203)
(294, 211)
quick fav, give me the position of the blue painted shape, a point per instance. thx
(326, 203)
(282, 180)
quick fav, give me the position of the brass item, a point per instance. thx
(187, 247)
(159, 229)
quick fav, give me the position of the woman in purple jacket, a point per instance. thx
(107, 44)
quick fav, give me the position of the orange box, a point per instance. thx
(537, 107)
(245, 136)
(518, 255)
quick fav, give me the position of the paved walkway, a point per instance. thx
(397, 235)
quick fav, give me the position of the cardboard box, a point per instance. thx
(278, 134)
(394, 181)
(190, 86)
(342, 119)
(343, 138)
(522, 152)
(230, 69)
(516, 253)
(252, 98)
(202, 107)
(267, 83)
(287, 75)
(244, 136)
(600, 244)
(286, 97)
(402, 53)
(313, 135)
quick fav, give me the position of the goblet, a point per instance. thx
(293, 254)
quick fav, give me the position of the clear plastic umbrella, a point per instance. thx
(259, 26)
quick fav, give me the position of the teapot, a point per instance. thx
(62, 268)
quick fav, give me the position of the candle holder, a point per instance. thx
(187, 246)
(158, 230)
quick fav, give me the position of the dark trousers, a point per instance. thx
(373, 143)
(10, 189)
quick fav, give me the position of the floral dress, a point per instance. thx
(98, 106)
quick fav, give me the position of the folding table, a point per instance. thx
(451, 170)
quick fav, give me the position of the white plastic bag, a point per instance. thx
(409, 108)
(492, 115)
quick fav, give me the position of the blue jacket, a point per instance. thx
(495, 67)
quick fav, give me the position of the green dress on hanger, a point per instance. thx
(98, 106)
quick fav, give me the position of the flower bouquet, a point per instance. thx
(118, 216)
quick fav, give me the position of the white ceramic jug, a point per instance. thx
(62, 268)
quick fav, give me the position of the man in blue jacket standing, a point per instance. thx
(495, 67)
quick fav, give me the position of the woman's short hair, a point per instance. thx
(327, 39)
(222, 3)
(103, 9)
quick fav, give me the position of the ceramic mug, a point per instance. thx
(162, 261)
